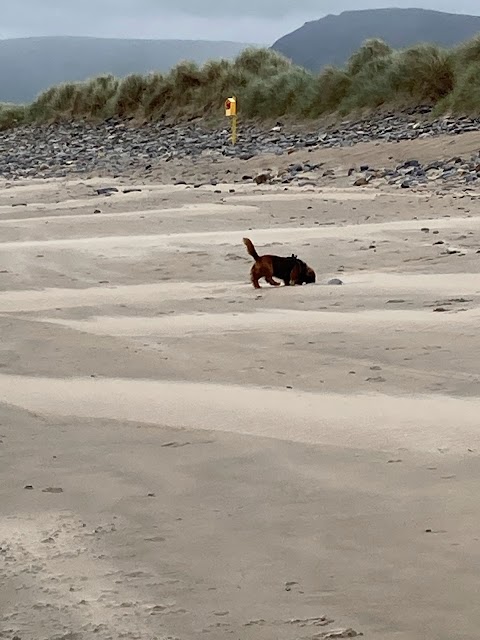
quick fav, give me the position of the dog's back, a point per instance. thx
(282, 267)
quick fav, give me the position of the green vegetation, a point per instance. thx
(268, 86)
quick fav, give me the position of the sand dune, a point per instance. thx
(82, 218)
(264, 236)
(287, 320)
(362, 284)
(372, 421)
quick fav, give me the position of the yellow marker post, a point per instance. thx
(231, 112)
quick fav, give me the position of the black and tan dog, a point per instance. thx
(291, 270)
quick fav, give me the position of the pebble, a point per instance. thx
(262, 178)
(360, 182)
(106, 191)
(340, 633)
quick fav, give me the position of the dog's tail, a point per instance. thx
(250, 248)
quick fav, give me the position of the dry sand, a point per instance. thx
(272, 464)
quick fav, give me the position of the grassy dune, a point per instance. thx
(269, 86)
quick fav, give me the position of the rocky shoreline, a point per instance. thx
(117, 148)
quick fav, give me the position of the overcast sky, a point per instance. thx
(260, 21)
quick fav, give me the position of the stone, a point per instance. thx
(297, 168)
(361, 182)
(411, 163)
(262, 178)
(335, 282)
(106, 191)
(339, 634)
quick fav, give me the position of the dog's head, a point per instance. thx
(310, 276)
(301, 273)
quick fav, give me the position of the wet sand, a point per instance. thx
(264, 464)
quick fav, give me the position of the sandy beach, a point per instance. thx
(183, 456)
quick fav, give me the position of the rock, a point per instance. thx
(106, 191)
(410, 163)
(361, 182)
(296, 168)
(262, 178)
(132, 190)
(28, 487)
(335, 281)
(52, 490)
(340, 633)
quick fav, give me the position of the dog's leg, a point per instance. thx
(269, 276)
(255, 276)
(294, 275)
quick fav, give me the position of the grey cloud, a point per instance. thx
(243, 20)
(282, 8)
(97, 9)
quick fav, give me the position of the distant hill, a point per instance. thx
(30, 65)
(333, 39)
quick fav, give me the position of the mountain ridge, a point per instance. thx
(331, 40)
